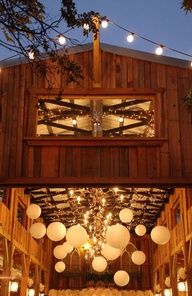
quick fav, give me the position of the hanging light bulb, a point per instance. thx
(74, 121)
(31, 55)
(121, 119)
(159, 50)
(130, 37)
(86, 27)
(104, 24)
(61, 40)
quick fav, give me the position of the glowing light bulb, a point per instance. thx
(61, 40)
(74, 121)
(31, 55)
(159, 50)
(71, 192)
(121, 119)
(78, 199)
(130, 38)
(104, 24)
(191, 64)
(86, 27)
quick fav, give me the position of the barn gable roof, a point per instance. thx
(122, 51)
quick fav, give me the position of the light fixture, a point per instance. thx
(74, 121)
(159, 50)
(130, 38)
(121, 119)
(182, 286)
(13, 286)
(30, 292)
(61, 39)
(31, 55)
(104, 24)
(86, 27)
(167, 292)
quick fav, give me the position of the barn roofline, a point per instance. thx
(122, 51)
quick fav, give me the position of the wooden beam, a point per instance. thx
(97, 181)
(96, 57)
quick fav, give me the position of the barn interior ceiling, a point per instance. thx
(92, 206)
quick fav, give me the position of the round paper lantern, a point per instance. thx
(138, 257)
(126, 215)
(121, 278)
(110, 253)
(181, 273)
(160, 235)
(56, 231)
(59, 252)
(99, 263)
(140, 230)
(68, 247)
(33, 211)
(37, 230)
(168, 282)
(76, 236)
(60, 266)
(118, 236)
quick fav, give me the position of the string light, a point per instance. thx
(61, 39)
(74, 121)
(31, 55)
(159, 50)
(130, 38)
(121, 119)
(104, 24)
(86, 27)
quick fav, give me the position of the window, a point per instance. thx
(125, 116)
(21, 214)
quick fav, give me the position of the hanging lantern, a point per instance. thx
(68, 248)
(33, 211)
(38, 230)
(99, 263)
(76, 236)
(59, 252)
(118, 236)
(126, 215)
(56, 231)
(138, 257)
(110, 253)
(140, 230)
(60, 266)
(160, 235)
(121, 278)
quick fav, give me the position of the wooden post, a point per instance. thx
(173, 260)
(96, 57)
(6, 268)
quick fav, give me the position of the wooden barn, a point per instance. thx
(120, 138)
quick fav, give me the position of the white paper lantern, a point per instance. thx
(168, 282)
(110, 253)
(140, 230)
(117, 236)
(76, 236)
(121, 278)
(99, 263)
(37, 230)
(126, 215)
(138, 257)
(68, 247)
(33, 211)
(56, 231)
(60, 266)
(59, 252)
(160, 235)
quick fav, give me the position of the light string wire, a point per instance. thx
(149, 40)
(124, 29)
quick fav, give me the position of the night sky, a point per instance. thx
(162, 21)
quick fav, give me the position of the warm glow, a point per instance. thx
(167, 292)
(74, 121)
(182, 286)
(86, 27)
(159, 50)
(61, 40)
(121, 119)
(13, 286)
(31, 292)
(31, 55)
(87, 246)
(130, 38)
(104, 24)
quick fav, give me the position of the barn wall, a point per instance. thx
(168, 156)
